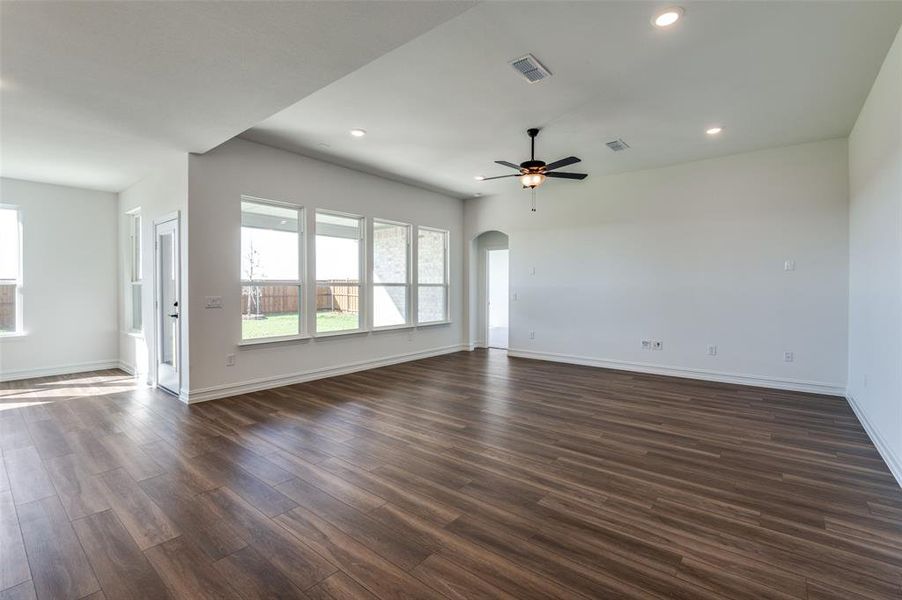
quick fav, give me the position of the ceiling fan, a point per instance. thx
(533, 172)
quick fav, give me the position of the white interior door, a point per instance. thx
(498, 294)
(166, 290)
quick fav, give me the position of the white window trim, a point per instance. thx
(135, 229)
(19, 281)
(446, 284)
(363, 279)
(302, 272)
(273, 340)
(410, 320)
(136, 224)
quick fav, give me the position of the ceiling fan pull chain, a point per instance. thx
(533, 199)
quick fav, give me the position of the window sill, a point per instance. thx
(394, 327)
(431, 323)
(329, 334)
(272, 340)
(13, 335)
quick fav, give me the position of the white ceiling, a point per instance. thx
(439, 109)
(93, 94)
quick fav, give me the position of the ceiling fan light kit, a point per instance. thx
(533, 173)
(532, 180)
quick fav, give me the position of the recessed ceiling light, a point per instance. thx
(479, 177)
(667, 17)
(358, 132)
(713, 130)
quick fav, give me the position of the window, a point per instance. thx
(339, 255)
(271, 267)
(391, 273)
(135, 276)
(432, 275)
(10, 271)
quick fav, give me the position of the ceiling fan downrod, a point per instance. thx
(532, 133)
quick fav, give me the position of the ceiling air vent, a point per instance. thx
(618, 145)
(529, 67)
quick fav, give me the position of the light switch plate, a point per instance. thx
(213, 302)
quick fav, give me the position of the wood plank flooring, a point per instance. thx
(470, 475)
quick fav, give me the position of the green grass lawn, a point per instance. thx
(335, 321)
(271, 326)
(287, 324)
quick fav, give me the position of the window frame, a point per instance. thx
(136, 271)
(408, 285)
(303, 332)
(20, 276)
(362, 275)
(447, 277)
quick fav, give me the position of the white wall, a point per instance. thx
(690, 255)
(217, 181)
(163, 192)
(69, 281)
(875, 250)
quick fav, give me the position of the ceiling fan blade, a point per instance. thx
(561, 163)
(500, 177)
(508, 164)
(567, 175)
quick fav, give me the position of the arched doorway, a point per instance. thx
(492, 289)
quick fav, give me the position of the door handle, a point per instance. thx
(174, 316)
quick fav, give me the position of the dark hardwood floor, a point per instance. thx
(464, 476)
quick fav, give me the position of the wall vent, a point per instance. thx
(618, 145)
(530, 68)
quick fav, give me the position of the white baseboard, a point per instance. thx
(124, 366)
(254, 385)
(97, 365)
(892, 461)
(703, 374)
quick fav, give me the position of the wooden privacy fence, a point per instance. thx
(337, 296)
(331, 295)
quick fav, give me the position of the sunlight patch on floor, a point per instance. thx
(13, 405)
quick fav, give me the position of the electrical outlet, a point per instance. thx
(646, 344)
(230, 360)
(788, 357)
(516, 296)
(532, 335)
(712, 350)
(213, 302)
(657, 345)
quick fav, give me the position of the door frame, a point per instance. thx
(485, 287)
(173, 216)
